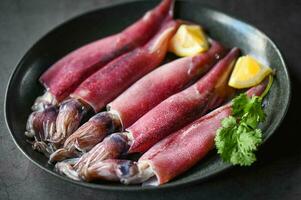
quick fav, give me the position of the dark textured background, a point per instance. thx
(276, 175)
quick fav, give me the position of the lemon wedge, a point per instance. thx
(248, 72)
(189, 40)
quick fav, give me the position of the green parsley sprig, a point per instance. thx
(238, 138)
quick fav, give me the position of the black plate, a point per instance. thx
(23, 86)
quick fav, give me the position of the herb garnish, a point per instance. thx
(238, 138)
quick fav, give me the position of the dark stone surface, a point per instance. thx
(276, 175)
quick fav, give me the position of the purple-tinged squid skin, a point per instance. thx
(65, 75)
(124, 171)
(135, 101)
(87, 136)
(111, 147)
(71, 112)
(110, 169)
(41, 126)
(117, 170)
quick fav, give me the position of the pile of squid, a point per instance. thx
(167, 114)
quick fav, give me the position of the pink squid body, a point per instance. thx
(183, 107)
(183, 149)
(66, 74)
(162, 83)
(108, 82)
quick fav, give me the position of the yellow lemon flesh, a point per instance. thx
(248, 72)
(189, 40)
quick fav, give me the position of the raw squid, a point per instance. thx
(170, 115)
(64, 76)
(107, 83)
(167, 159)
(138, 99)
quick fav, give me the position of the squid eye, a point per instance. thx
(127, 169)
(120, 141)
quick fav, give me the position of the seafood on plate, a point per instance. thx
(63, 77)
(142, 96)
(167, 159)
(159, 114)
(170, 115)
(107, 83)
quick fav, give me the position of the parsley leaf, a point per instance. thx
(238, 138)
(248, 108)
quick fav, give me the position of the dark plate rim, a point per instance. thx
(136, 187)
